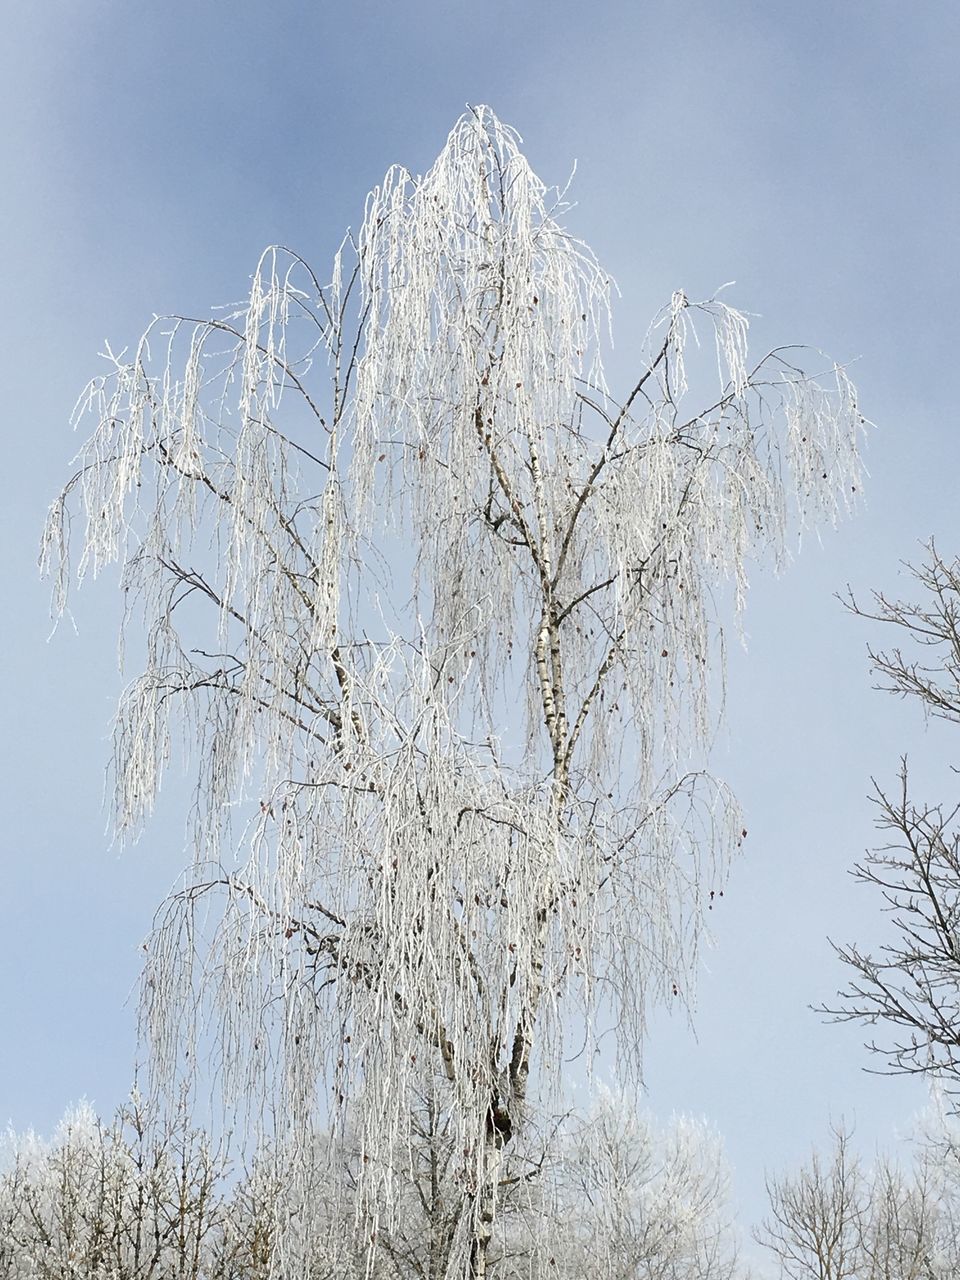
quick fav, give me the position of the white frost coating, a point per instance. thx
(657, 1203)
(471, 774)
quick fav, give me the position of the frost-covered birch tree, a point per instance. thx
(434, 611)
(120, 1200)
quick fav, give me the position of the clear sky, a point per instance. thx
(807, 151)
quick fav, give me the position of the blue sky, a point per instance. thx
(809, 152)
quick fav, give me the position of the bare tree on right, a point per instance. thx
(837, 1219)
(911, 986)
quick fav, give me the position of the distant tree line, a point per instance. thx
(127, 1201)
(624, 1199)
